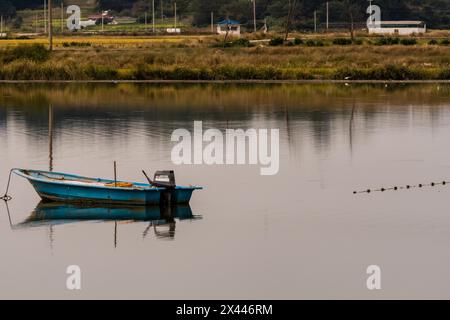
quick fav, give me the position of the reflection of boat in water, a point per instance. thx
(54, 213)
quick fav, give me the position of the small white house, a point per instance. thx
(231, 26)
(402, 28)
(173, 30)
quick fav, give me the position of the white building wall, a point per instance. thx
(399, 31)
(223, 31)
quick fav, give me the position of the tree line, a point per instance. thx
(299, 13)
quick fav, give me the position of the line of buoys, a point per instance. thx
(407, 187)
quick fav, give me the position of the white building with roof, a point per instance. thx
(402, 28)
(232, 27)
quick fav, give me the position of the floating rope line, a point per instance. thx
(407, 187)
(7, 197)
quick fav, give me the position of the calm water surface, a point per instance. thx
(299, 234)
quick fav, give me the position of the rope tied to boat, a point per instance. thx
(407, 187)
(7, 197)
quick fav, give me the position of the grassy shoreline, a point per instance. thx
(204, 61)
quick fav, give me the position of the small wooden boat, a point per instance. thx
(63, 187)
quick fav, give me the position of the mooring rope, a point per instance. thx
(407, 187)
(7, 197)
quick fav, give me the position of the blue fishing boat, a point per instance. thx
(63, 187)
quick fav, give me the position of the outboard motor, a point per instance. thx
(164, 179)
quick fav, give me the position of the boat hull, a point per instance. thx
(79, 194)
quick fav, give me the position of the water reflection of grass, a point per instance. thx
(189, 98)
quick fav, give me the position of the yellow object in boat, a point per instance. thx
(119, 185)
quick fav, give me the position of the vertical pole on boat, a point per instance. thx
(50, 137)
(115, 174)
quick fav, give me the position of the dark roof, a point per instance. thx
(99, 16)
(229, 22)
(400, 22)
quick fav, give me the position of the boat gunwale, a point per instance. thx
(21, 173)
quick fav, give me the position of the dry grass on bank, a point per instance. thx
(199, 59)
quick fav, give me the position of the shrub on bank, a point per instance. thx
(76, 44)
(408, 41)
(247, 72)
(278, 41)
(342, 41)
(29, 70)
(315, 43)
(34, 52)
(444, 74)
(95, 72)
(387, 41)
(243, 43)
(390, 72)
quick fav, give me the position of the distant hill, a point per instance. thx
(82, 3)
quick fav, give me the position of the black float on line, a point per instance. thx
(407, 187)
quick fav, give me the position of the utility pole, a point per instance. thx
(145, 19)
(254, 15)
(153, 15)
(175, 17)
(315, 21)
(162, 11)
(36, 25)
(45, 16)
(62, 16)
(50, 26)
(212, 22)
(328, 15)
(1, 26)
(292, 5)
(103, 21)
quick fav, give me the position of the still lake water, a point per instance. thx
(299, 234)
